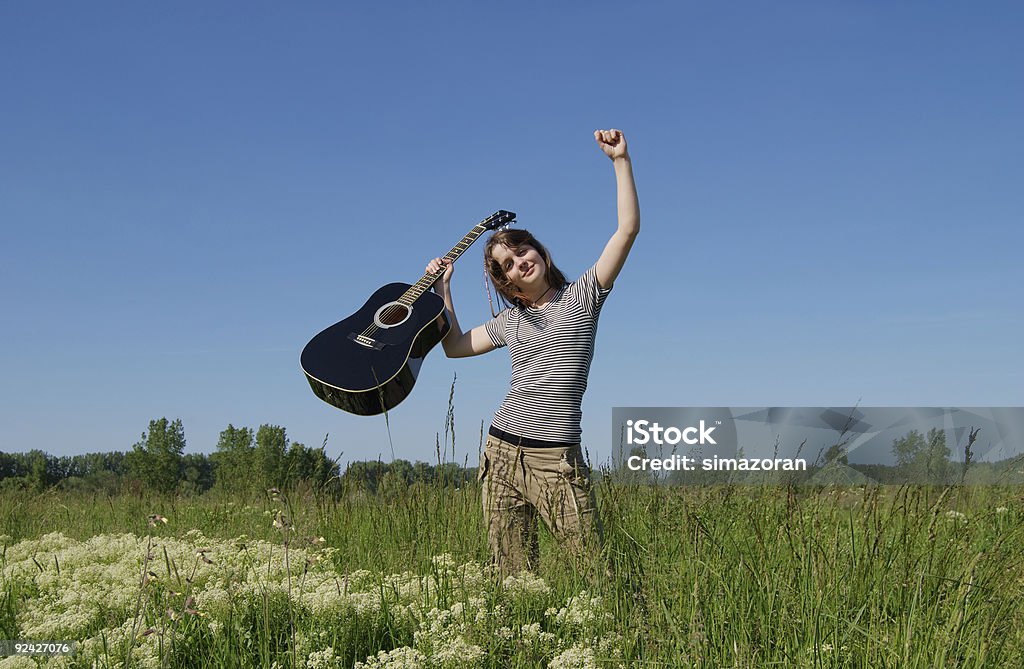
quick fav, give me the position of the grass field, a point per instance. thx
(729, 576)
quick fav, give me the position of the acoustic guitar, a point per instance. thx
(367, 364)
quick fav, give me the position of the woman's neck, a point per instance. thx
(543, 297)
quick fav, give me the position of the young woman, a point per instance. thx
(533, 464)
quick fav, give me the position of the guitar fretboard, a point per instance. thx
(428, 279)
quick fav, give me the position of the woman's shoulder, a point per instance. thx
(585, 281)
(504, 314)
(587, 290)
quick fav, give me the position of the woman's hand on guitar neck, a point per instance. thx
(434, 266)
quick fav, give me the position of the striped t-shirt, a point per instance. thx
(551, 349)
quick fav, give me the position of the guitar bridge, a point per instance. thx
(368, 342)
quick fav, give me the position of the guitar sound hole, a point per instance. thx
(392, 314)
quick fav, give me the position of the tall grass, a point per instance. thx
(727, 577)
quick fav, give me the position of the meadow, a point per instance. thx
(718, 576)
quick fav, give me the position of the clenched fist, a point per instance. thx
(612, 142)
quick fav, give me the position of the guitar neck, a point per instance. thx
(428, 279)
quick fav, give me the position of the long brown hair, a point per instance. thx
(512, 239)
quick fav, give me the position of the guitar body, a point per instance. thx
(367, 364)
(370, 374)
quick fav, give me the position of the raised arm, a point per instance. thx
(613, 143)
(457, 344)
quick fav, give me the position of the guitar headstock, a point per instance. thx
(498, 220)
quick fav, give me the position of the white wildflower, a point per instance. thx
(443, 561)
(365, 603)
(527, 583)
(323, 659)
(470, 576)
(399, 658)
(214, 600)
(407, 586)
(576, 657)
(581, 610)
(457, 652)
(534, 636)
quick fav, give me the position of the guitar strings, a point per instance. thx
(406, 300)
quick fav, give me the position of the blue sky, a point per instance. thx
(830, 193)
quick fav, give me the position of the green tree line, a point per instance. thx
(245, 461)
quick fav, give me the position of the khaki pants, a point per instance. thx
(521, 483)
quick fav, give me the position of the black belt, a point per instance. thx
(516, 440)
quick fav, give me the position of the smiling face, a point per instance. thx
(524, 267)
(520, 267)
